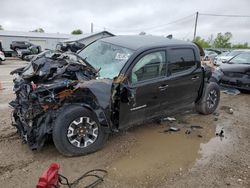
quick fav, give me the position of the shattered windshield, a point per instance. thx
(106, 57)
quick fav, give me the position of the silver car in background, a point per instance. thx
(226, 56)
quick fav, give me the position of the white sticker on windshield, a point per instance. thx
(120, 56)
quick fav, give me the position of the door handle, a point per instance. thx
(195, 78)
(163, 87)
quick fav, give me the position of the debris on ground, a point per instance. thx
(192, 127)
(220, 134)
(51, 178)
(172, 129)
(215, 119)
(230, 91)
(188, 131)
(231, 111)
(227, 109)
(216, 113)
(169, 119)
(196, 127)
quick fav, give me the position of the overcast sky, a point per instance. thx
(128, 16)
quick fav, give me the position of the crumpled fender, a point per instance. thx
(99, 113)
(207, 73)
(95, 95)
(216, 76)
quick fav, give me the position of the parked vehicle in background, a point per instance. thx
(2, 57)
(214, 50)
(70, 46)
(16, 45)
(112, 84)
(236, 72)
(32, 50)
(210, 55)
(223, 58)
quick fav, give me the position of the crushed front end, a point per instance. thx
(237, 80)
(45, 85)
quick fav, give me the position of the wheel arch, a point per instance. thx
(99, 113)
(206, 73)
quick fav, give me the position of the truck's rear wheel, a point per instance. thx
(210, 99)
(78, 132)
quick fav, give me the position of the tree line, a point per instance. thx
(220, 41)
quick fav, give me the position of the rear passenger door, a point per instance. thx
(184, 77)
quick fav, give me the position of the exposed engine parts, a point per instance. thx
(50, 81)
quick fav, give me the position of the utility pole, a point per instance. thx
(196, 22)
(92, 28)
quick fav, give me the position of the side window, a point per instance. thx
(180, 60)
(150, 66)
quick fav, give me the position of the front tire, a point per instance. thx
(77, 132)
(209, 100)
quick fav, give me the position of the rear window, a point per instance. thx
(19, 42)
(181, 60)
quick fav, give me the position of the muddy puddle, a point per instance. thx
(159, 153)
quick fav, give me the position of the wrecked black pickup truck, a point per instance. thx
(112, 84)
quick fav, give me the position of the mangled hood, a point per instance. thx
(50, 82)
(54, 64)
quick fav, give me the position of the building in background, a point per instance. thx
(45, 40)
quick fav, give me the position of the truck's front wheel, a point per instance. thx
(78, 132)
(210, 99)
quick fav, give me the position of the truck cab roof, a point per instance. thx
(136, 42)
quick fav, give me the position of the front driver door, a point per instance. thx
(146, 82)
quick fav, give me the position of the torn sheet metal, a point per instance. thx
(50, 82)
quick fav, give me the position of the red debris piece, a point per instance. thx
(49, 178)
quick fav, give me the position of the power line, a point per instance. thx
(175, 21)
(226, 15)
(169, 23)
(151, 27)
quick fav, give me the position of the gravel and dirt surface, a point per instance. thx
(143, 156)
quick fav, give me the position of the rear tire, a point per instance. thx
(209, 100)
(72, 134)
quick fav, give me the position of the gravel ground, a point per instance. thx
(143, 156)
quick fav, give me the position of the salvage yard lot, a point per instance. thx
(144, 156)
